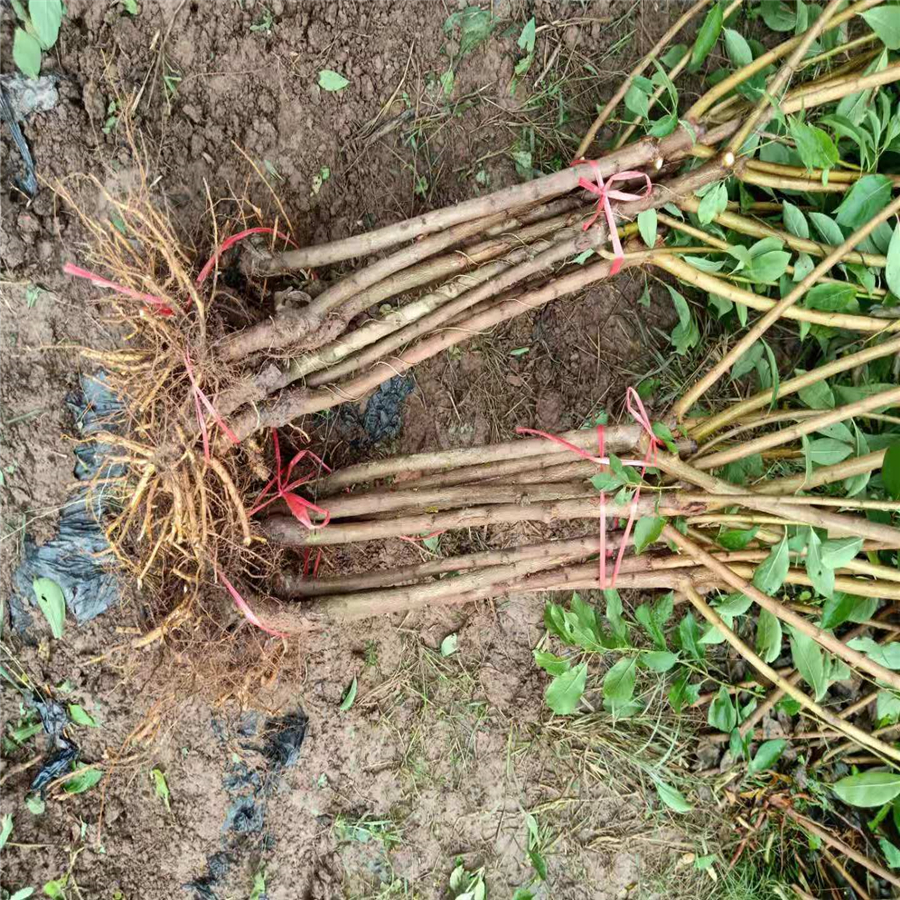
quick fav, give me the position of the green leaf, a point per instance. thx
(735, 604)
(526, 38)
(6, 827)
(722, 714)
(706, 37)
(686, 334)
(768, 636)
(80, 717)
(83, 781)
(35, 804)
(56, 888)
(332, 81)
(447, 81)
(647, 530)
(885, 22)
(712, 203)
(659, 660)
(773, 373)
(887, 708)
(450, 644)
(674, 55)
(689, 637)
(769, 267)
(46, 16)
(832, 298)
(52, 604)
(868, 197)
(672, 798)
(614, 616)
(682, 693)
(803, 265)
(551, 663)
(828, 229)
(737, 538)
(887, 655)
(828, 451)
(868, 789)
(770, 574)
(891, 853)
(654, 619)
(766, 755)
(890, 471)
(664, 433)
(637, 101)
(842, 607)
(161, 786)
(475, 26)
(564, 692)
(27, 53)
(809, 662)
(538, 863)
(794, 220)
(349, 696)
(647, 226)
(821, 575)
(777, 15)
(839, 551)
(584, 256)
(130, 6)
(815, 148)
(737, 48)
(892, 269)
(817, 396)
(606, 481)
(22, 894)
(618, 683)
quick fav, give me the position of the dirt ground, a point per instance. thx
(438, 757)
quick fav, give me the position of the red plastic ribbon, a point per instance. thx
(635, 407)
(242, 605)
(307, 555)
(201, 400)
(284, 487)
(604, 192)
(228, 243)
(156, 302)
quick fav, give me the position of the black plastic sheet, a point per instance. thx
(70, 558)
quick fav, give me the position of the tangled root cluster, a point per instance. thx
(180, 525)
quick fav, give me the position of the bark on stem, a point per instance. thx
(622, 90)
(287, 531)
(756, 228)
(840, 524)
(710, 283)
(824, 638)
(766, 59)
(347, 506)
(295, 585)
(826, 475)
(291, 326)
(767, 442)
(734, 411)
(618, 439)
(760, 327)
(570, 244)
(634, 156)
(763, 668)
(843, 848)
(296, 402)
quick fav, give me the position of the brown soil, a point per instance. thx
(450, 750)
